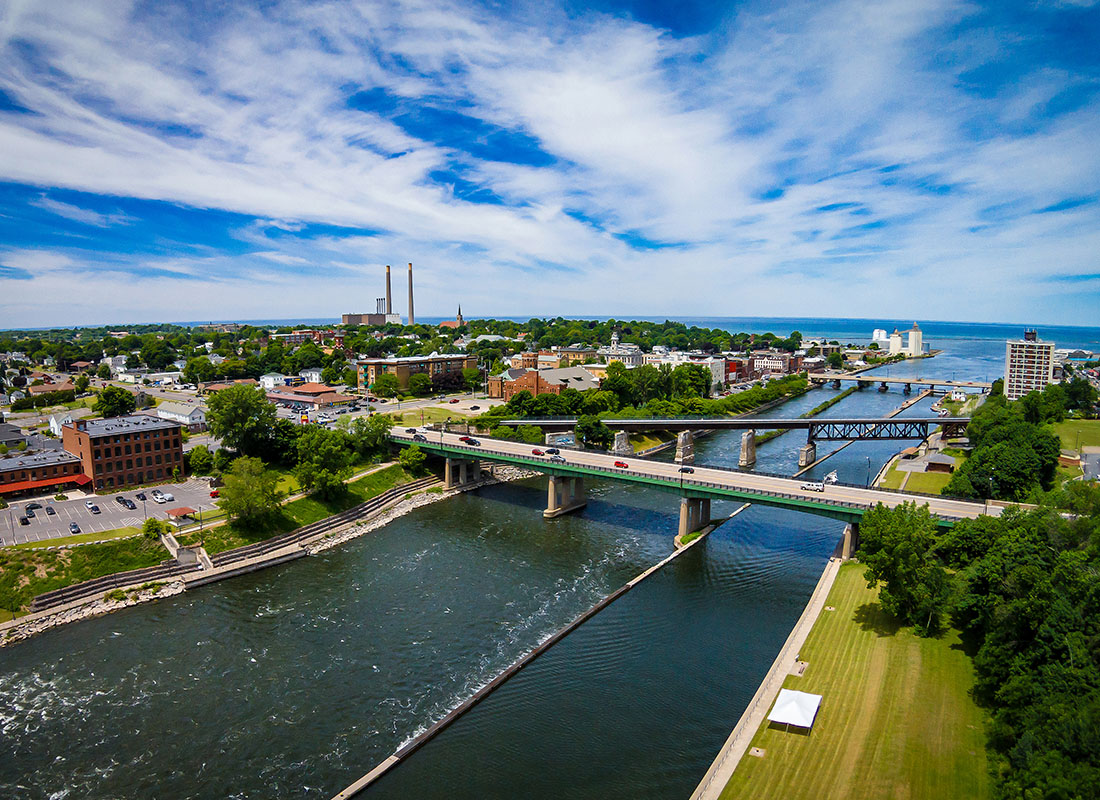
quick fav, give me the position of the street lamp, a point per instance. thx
(868, 484)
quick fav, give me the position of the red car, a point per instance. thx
(622, 465)
(453, 400)
(214, 492)
(465, 439)
(537, 452)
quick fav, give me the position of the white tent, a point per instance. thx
(795, 708)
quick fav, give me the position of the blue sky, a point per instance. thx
(203, 160)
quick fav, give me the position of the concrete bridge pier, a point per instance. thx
(850, 543)
(908, 388)
(694, 514)
(459, 472)
(748, 449)
(564, 494)
(882, 387)
(807, 454)
(685, 448)
(836, 384)
(622, 446)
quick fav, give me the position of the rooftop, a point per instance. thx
(127, 424)
(36, 458)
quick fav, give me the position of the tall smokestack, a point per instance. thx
(412, 319)
(389, 294)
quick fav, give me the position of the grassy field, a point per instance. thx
(299, 512)
(927, 482)
(644, 441)
(26, 573)
(896, 718)
(66, 541)
(432, 414)
(893, 478)
(1077, 433)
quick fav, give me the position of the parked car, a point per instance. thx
(34, 505)
(553, 451)
(49, 511)
(687, 470)
(121, 501)
(94, 509)
(537, 452)
(419, 437)
(813, 486)
(74, 528)
(29, 511)
(622, 465)
(214, 492)
(130, 504)
(24, 521)
(556, 459)
(88, 504)
(159, 498)
(141, 496)
(169, 496)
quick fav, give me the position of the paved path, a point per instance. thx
(716, 778)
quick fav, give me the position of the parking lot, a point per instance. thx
(193, 493)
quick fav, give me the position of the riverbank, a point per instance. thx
(896, 717)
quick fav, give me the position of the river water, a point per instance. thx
(294, 681)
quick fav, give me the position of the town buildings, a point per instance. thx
(313, 395)
(22, 472)
(540, 381)
(191, 417)
(444, 370)
(1029, 365)
(627, 354)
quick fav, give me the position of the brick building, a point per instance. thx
(22, 472)
(545, 381)
(124, 451)
(444, 370)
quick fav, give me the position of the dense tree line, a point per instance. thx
(1015, 453)
(1024, 589)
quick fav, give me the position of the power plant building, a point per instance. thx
(383, 307)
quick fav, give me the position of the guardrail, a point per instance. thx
(80, 591)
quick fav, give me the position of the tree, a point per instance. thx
(114, 401)
(242, 417)
(386, 385)
(896, 545)
(104, 372)
(593, 433)
(200, 461)
(835, 360)
(330, 375)
(350, 377)
(367, 436)
(153, 528)
(420, 384)
(324, 462)
(199, 370)
(250, 494)
(412, 459)
(81, 383)
(472, 377)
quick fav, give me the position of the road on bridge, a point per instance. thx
(704, 479)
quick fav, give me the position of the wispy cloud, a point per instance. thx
(833, 158)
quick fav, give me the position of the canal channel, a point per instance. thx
(294, 681)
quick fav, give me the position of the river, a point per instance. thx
(294, 681)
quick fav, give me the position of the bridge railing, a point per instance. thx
(698, 483)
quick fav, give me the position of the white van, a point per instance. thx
(813, 486)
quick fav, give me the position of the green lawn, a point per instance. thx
(430, 414)
(299, 512)
(644, 441)
(26, 573)
(1077, 433)
(893, 478)
(65, 541)
(896, 718)
(927, 482)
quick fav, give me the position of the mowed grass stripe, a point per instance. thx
(896, 718)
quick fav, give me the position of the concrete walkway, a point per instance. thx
(716, 778)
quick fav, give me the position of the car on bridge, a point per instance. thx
(622, 465)
(473, 443)
(410, 430)
(537, 452)
(557, 459)
(553, 451)
(419, 437)
(813, 486)
(687, 470)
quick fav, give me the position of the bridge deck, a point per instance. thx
(839, 501)
(742, 423)
(821, 377)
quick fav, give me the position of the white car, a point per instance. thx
(169, 497)
(88, 504)
(159, 498)
(813, 486)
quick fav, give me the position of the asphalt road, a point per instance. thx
(729, 478)
(192, 492)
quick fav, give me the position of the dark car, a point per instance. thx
(34, 505)
(557, 459)
(121, 501)
(419, 437)
(74, 528)
(687, 470)
(473, 443)
(553, 451)
(94, 509)
(24, 521)
(130, 504)
(140, 496)
(410, 430)
(49, 511)
(475, 408)
(29, 512)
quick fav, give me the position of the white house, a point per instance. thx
(272, 380)
(311, 374)
(57, 420)
(191, 417)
